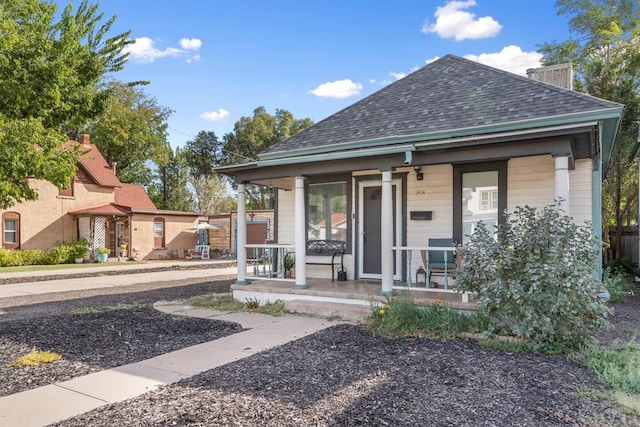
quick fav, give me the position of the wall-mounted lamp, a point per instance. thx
(419, 174)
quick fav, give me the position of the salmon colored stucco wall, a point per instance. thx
(177, 237)
(45, 222)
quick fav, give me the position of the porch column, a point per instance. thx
(386, 234)
(241, 230)
(300, 235)
(562, 182)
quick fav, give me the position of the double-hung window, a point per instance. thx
(327, 211)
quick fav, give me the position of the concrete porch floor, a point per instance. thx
(351, 299)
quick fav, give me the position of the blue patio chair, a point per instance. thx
(441, 262)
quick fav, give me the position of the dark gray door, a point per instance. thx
(371, 227)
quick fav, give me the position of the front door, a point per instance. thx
(370, 226)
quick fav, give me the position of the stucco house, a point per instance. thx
(427, 157)
(100, 208)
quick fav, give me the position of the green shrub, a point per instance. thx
(618, 284)
(536, 280)
(617, 367)
(403, 317)
(621, 266)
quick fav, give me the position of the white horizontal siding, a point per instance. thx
(286, 216)
(434, 193)
(531, 182)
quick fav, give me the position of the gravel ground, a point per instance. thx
(341, 376)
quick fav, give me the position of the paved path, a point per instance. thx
(56, 402)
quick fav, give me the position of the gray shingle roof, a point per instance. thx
(450, 93)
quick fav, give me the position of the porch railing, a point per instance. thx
(267, 262)
(422, 254)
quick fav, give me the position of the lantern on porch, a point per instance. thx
(421, 276)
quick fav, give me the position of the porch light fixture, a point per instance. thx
(419, 174)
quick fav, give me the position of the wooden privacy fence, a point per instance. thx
(628, 244)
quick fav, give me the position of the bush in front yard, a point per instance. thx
(536, 280)
(63, 253)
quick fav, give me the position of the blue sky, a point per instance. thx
(214, 61)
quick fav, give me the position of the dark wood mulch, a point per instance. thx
(346, 376)
(94, 341)
(343, 376)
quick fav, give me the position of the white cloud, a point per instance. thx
(338, 89)
(397, 76)
(190, 44)
(143, 50)
(372, 81)
(510, 58)
(453, 21)
(194, 58)
(215, 116)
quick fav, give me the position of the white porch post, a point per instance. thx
(300, 235)
(386, 234)
(562, 182)
(241, 229)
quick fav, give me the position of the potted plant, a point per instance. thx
(102, 254)
(79, 250)
(289, 262)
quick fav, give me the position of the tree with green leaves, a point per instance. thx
(169, 190)
(210, 193)
(50, 64)
(250, 136)
(605, 53)
(131, 131)
(203, 153)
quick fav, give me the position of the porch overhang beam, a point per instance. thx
(500, 147)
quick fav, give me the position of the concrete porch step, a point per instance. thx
(348, 312)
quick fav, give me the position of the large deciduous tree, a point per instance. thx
(131, 131)
(605, 52)
(49, 67)
(169, 189)
(250, 136)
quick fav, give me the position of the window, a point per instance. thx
(11, 230)
(480, 195)
(158, 233)
(488, 199)
(327, 211)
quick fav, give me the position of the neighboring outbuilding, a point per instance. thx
(100, 208)
(451, 144)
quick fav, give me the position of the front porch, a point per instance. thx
(328, 298)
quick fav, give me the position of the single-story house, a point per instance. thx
(100, 208)
(428, 156)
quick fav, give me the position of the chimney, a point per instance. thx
(559, 75)
(113, 167)
(85, 139)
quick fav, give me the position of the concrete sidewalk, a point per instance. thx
(56, 402)
(67, 283)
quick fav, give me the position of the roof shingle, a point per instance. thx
(447, 94)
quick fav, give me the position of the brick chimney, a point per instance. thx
(85, 138)
(113, 167)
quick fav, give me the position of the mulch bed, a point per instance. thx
(342, 376)
(91, 342)
(346, 376)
